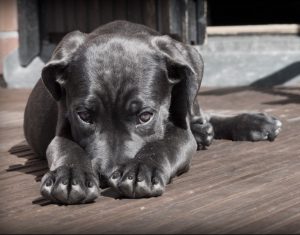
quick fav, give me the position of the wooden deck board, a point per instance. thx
(233, 187)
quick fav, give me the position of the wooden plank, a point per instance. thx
(106, 10)
(134, 11)
(29, 35)
(185, 22)
(58, 16)
(201, 15)
(254, 29)
(192, 22)
(43, 21)
(120, 9)
(81, 15)
(69, 15)
(93, 15)
(233, 187)
(175, 18)
(163, 16)
(149, 13)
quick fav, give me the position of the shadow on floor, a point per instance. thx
(279, 77)
(270, 85)
(291, 95)
(34, 166)
(2, 82)
(38, 167)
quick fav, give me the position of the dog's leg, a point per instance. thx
(71, 179)
(246, 127)
(147, 174)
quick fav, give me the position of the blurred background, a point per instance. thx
(243, 42)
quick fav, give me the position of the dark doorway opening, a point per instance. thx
(254, 12)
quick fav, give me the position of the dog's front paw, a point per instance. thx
(138, 179)
(203, 133)
(256, 127)
(70, 185)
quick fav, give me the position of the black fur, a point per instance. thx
(85, 114)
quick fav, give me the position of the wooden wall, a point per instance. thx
(49, 20)
(179, 17)
(61, 16)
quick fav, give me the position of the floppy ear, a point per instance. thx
(53, 72)
(185, 69)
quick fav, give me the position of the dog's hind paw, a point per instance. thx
(69, 185)
(203, 133)
(256, 127)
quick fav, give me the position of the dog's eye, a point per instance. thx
(85, 116)
(145, 117)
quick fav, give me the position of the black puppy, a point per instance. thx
(117, 107)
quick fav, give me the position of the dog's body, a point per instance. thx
(121, 111)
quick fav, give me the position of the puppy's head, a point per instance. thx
(118, 93)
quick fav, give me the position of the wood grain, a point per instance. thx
(233, 187)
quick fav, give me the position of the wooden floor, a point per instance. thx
(233, 187)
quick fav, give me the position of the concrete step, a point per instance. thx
(265, 60)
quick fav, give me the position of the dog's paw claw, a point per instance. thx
(69, 185)
(138, 180)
